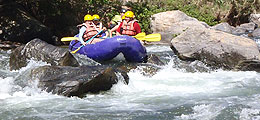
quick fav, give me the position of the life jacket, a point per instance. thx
(128, 28)
(91, 31)
(98, 27)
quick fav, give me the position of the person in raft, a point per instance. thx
(113, 30)
(116, 20)
(129, 26)
(88, 30)
(99, 26)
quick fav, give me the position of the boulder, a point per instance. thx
(248, 65)
(179, 27)
(256, 33)
(77, 81)
(163, 21)
(255, 18)
(215, 48)
(225, 27)
(172, 23)
(244, 28)
(41, 51)
(18, 26)
(154, 59)
(248, 26)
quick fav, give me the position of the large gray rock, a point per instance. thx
(180, 27)
(77, 81)
(164, 20)
(18, 26)
(172, 23)
(41, 51)
(215, 48)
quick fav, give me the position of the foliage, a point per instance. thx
(59, 14)
(143, 14)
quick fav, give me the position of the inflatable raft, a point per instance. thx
(109, 48)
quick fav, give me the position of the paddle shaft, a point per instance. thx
(150, 38)
(86, 42)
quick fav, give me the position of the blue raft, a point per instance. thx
(109, 48)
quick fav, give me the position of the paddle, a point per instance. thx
(66, 39)
(86, 42)
(141, 36)
(153, 37)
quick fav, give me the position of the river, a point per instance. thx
(172, 93)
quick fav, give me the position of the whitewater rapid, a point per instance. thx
(172, 93)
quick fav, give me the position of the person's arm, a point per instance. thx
(81, 32)
(137, 28)
(118, 30)
(113, 29)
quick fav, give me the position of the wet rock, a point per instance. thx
(148, 69)
(256, 33)
(225, 27)
(215, 48)
(152, 66)
(77, 81)
(154, 59)
(19, 26)
(41, 51)
(248, 65)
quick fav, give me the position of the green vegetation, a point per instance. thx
(59, 14)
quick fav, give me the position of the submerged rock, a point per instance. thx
(215, 48)
(77, 81)
(154, 59)
(41, 51)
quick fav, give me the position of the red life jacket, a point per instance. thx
(128, 28)
(90, 31)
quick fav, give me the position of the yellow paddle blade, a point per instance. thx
(76, 50)
(153, 37)
(140, 36)
(65, 39)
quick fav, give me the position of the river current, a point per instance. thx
(172, 93)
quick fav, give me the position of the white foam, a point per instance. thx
(6, 86)
(249, 114)
(202, 112)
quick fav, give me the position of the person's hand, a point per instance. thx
(104, 28)
(84, 44)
